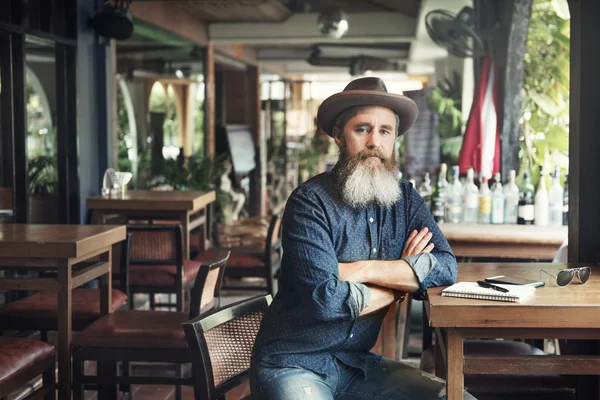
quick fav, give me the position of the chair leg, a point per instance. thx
(49, 381)
(179, 373)
(126, 372)
(152, 301)
(44, 336)
(107, 387)
(78, 374)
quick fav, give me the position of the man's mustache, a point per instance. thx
(364, 154)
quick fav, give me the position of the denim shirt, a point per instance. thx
(315, 315)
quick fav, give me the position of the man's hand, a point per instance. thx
(417, 243)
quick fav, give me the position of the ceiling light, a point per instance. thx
(333, 23)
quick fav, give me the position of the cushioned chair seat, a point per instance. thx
(161, 275)
(235, 260)
(136, 329)
(17, 354)
(44, 305)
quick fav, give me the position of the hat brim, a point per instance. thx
(333, 106)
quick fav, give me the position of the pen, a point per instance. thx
(490, 286)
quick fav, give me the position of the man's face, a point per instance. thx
(367, 170)
(371, 135)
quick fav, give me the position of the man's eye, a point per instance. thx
(362, 130)
(384, 132)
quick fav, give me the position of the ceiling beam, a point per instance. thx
(374, 27)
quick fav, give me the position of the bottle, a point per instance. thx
(438, 197)
(425, 190)
(470, 199)
(498, 201)
(541, 201)
(555, 200)
(454, 198)
(485, 202)
(526, 206)
(565, 214)
(511, 193)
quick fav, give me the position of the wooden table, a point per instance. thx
(187, 207)
(59, 248)
(505, 241)
(571, 312)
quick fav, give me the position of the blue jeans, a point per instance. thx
(388, 380)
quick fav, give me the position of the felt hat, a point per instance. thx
(370, 91)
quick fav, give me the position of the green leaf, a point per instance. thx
(558, 138)
(545, 103)
(561, 8)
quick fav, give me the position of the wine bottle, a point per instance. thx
(555, 200)
(498, 201)
(438, 197)
(425, 190)
(541, 201)
(485, 202)
(511, 193)
(526, 211)
(470, 199)
(454, 198)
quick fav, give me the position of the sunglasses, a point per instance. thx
(566, 276)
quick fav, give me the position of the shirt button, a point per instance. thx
(351, 335)
(370, 219)
(374, 250)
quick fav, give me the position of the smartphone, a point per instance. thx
(511, 280)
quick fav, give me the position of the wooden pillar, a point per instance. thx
(237, 105)
(209, 101)
(114, 126)
(258, 179)
(584, 147)
(584, 141)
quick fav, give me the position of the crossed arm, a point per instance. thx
(385, 278)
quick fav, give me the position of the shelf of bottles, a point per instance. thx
(453, 201)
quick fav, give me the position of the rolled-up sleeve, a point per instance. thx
(359, 299)
(310, 265)
(439, 267)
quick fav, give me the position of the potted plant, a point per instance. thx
(42, 181)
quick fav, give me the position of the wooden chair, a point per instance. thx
(221, 346)
(22, 360)
(143, 336)
(39, 311)
(157, 264)
(255, 263)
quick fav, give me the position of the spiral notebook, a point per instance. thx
(471, 290)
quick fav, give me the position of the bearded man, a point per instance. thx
(355, 240)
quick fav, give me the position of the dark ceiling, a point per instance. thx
(278, 10)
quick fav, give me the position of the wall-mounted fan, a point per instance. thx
(455, 33)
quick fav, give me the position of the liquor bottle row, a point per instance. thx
(492, 203)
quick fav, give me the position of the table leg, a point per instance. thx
(64, 329)
(100, 217)
(455, 351)
(185, 227)
(106, 279)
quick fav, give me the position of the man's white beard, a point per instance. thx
(371, 183)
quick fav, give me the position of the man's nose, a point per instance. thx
(373, 140)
